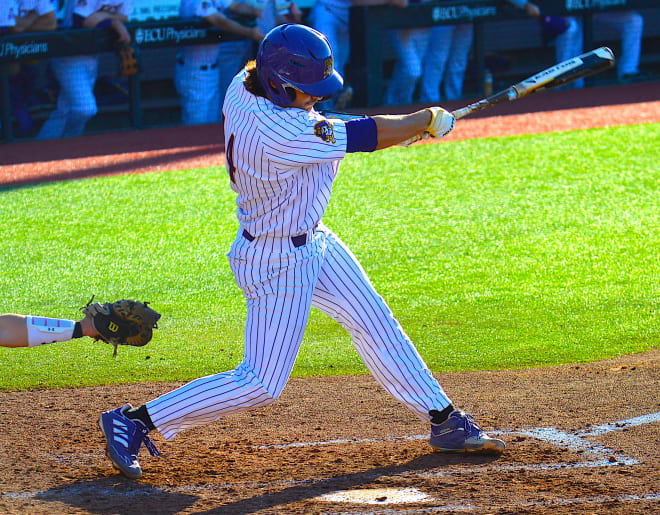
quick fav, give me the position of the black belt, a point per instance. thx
(298, 241)
(203, 67)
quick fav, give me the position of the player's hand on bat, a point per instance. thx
(442, 122)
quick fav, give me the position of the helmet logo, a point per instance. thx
(326, 131)
(328, 68)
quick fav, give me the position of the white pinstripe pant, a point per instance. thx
(76, 103)
(409, 46)
(445, 62)
(280, 284)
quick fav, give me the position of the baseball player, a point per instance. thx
(331, 18)
(282, 159)
(445, 62)
(76, 103)
(196, 76)
(233, 55)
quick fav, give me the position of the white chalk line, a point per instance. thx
(467, 507)
(602, 457)
(594, 431)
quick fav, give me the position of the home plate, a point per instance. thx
(377, 496)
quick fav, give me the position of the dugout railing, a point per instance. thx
(369, 26)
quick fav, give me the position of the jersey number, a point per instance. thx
(229, 155)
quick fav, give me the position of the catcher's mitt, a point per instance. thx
(128, 64)
(124, 322)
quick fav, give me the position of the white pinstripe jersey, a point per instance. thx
(8, 13)
(281, 162)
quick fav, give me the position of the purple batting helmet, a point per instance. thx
(296, 57)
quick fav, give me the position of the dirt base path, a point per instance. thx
(580, 439)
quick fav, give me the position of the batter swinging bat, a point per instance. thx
(584, 65)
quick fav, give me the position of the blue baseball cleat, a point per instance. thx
(124, 437)
(460, 433)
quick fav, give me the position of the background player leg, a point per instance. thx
(199, 93)
(435, 60)
(76, 103)
(409, 46)
(569, 44)
(630, 25)
(232, 56)
(461, 42)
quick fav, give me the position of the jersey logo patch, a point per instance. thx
(326, 131)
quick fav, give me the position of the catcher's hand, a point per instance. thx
(124, 322)
(128, 64)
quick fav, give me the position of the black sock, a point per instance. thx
(438, 417)
(142, 415)
(77, 331)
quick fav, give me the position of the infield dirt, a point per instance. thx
(345, 433)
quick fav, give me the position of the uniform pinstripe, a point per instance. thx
(282, 163)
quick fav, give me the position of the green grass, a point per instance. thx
(495, 253)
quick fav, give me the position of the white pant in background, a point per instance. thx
(199, 87)
(76, 103)
(445, 62)
(410, 47)
(629, 24)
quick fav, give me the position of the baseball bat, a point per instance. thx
(560, 74)
(584, 65)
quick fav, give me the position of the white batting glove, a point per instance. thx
(442, 122)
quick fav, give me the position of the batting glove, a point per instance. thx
(442, 122)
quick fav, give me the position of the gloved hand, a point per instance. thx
(124, 322)
(442, 122)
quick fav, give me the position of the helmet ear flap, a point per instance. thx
(287, 89)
